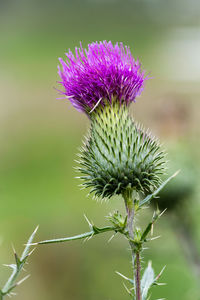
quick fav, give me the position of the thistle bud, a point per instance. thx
(118, 154)
(118, 220)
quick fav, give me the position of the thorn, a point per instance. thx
(128, 291)
(158, 276)
(89, 223)
(176, 173)
(152, 229)
(12, 266)
(13, 248)
(31, 244)
(31, 252)
(110, 239)
(36, 229)
(123, 276)
(22, 280)
(13, 294)
(85, 240)
(154, 238)
(90, 237)
(162, 212)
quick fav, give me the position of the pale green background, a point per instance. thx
(40, 137)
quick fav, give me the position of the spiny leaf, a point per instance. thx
(147, 281)
(26, 253)
(149, 227)
(16, 268)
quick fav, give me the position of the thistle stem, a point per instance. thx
(129, 204)
(137, 277)
(130, 217)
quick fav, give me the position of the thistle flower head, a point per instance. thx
(119, 155)
(101, 72)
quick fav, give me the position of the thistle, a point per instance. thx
(102, 81)
(119, 157)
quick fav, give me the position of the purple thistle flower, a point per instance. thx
(100, 73)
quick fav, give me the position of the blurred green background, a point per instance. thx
(40, 137)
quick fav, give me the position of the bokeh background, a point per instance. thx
(40, 136)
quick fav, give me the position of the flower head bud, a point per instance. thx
(102, 71)
(118, 154)
(118, 220)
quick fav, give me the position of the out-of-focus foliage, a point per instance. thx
(183, 187)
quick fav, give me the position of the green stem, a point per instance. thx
(95, 230)
(130, 214)
(137, 276)
(129, 204)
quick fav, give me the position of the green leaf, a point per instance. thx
(157, 214)
(154, 194)
(147, 281)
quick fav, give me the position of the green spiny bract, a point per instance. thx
(118, 154)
